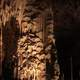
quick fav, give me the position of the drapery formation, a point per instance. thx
(27, 34)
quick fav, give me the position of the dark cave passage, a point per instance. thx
(68, 46)
(67, 34)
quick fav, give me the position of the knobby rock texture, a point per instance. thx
(27, 49)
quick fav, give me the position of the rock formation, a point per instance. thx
(30, 26)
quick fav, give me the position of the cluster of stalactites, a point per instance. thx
(32, 53)
(11, 8)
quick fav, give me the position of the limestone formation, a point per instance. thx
(36, 42)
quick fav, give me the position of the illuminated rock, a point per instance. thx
(36, 37)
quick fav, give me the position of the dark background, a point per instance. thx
(67, 34)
